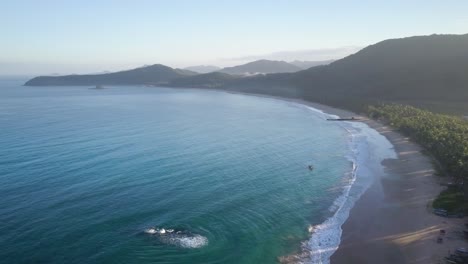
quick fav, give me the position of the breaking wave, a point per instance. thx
(183, 239)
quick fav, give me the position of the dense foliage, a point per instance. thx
(452, 200)
(445, 137)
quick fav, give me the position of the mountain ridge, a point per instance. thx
(152, 74)
(203, 68)
(309, 64)
(424, 71)
(261, 67)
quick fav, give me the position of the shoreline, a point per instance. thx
(368, 148)
(392, 220)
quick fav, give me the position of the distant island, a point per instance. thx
(409, 70)
(98, 87)
(155, 74)
(394, 83)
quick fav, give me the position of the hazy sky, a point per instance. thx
(40, 37)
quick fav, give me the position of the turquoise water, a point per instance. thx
(83, 173)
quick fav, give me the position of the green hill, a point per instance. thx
(155, 74)
(207, 80)
(425, 71)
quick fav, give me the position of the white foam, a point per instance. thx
(322, 113)
(196, 241)
(182, 239)
(150, 231)
(368, 150)
(185, 241)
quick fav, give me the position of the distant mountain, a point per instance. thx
(207, 80)
(203, 68)
(154, 74)
(308, 64)
(428, 71)
(425, 71)
(261, 67)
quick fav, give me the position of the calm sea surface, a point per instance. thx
(83, 174)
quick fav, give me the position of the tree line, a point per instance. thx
(444, 136)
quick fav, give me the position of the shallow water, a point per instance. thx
(84, 172)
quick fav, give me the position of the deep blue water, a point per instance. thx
(84, 172)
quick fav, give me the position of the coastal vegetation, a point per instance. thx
(444, 137)
(408, 71)
(394, 73)
(452, 200)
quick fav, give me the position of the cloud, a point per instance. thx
(303, 55)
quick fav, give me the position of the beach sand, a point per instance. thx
(392, 222)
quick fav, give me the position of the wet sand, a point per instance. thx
(392, 222)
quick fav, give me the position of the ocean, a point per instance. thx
(95, 176)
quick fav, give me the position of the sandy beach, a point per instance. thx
(392, 222)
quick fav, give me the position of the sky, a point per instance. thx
(62, 37)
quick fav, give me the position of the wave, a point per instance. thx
(183, 239)
(325, 238)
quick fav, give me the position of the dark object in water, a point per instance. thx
(440, 240)
(343, 119)
(311, 168)
(98, 87)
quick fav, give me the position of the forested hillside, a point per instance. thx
(445, 137)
